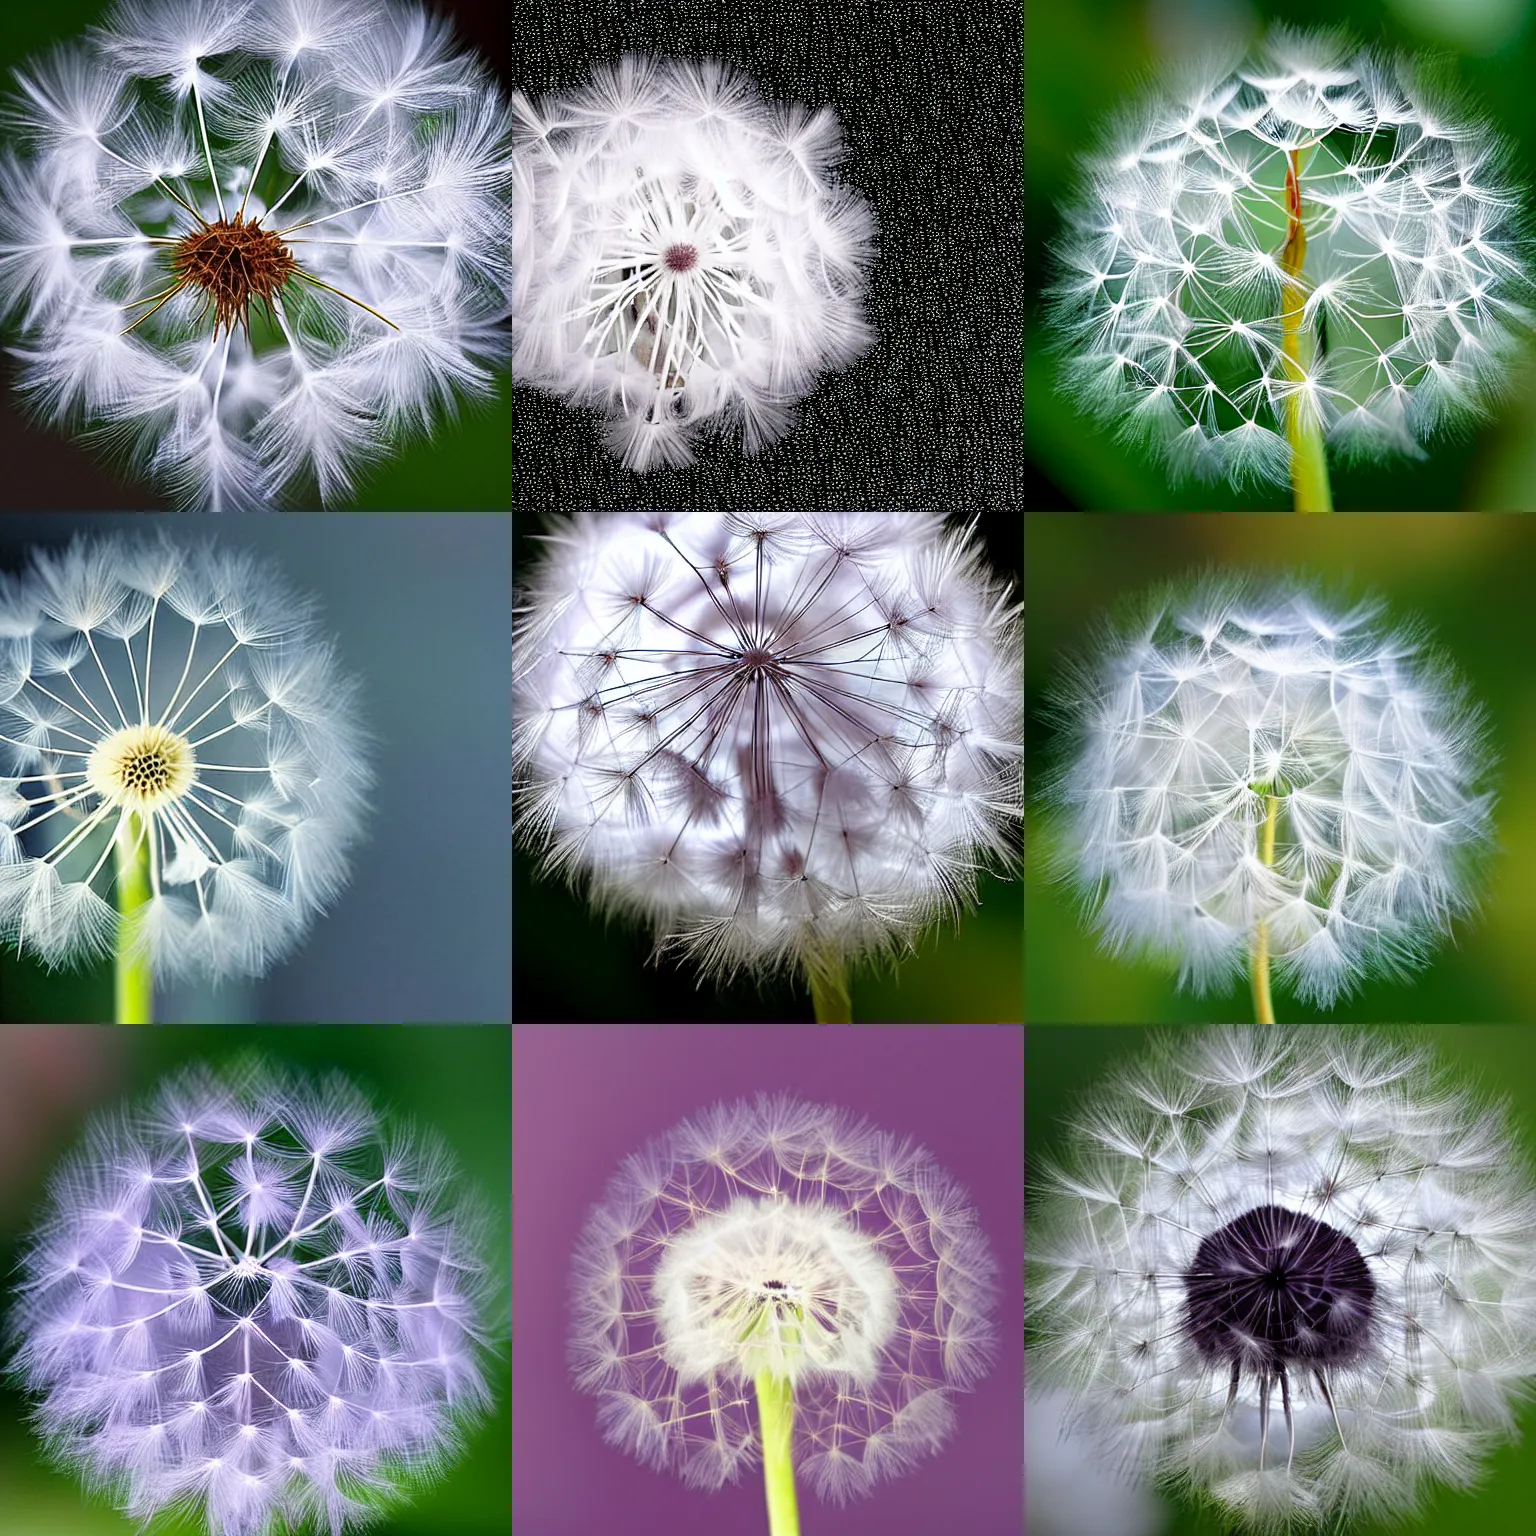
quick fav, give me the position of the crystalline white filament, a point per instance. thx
(683, 255)
(1415, 1177)
(1224, 694)
(181, 698)
(355, 129)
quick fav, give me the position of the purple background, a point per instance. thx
(584, 1095)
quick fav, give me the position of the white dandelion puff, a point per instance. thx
(1253, 768)
(792, 1241)
(179, 701)
(684, 257)
(252, 245)
(252, 1298)
(785, 740)
(1293, 1271)
(1314, 233)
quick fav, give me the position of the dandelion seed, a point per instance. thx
(179, 701)
(1256, 774)
(685, 258)
(1298, 248)
(253, 245)
(788, 740)
(250, 1299)
(1291, 1270)
(785, 1242)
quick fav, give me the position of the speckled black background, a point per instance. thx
(929, 100)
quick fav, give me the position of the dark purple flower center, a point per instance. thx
(681, 258)
(1276, 1288)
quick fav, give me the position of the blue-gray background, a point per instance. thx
(421, 607)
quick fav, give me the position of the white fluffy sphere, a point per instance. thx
(1232, 712)
(793, 1241)
(1172, 299)
(684, 255)
(182, 699)
(785, 739)
(249, 1299)
(253, 245)
(1293, 1271)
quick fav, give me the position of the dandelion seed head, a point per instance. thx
(251, 245)
(788, 1238)
(141, 768)
(1225, 698)
(234, 263)
(681, 257)
(684, 257)
(780, 738)
(1414, 288)
(230, 1306)
(1291, 1270)
(182, 699)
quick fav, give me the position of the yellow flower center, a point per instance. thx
(142, 768)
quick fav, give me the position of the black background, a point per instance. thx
(928, 99)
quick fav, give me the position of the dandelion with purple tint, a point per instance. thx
(253, 1299)
(778, 1284)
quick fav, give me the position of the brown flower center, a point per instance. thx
(233, 263)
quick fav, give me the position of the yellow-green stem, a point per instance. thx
(135, 983)
(776, 1414)
(1258, 968)
(1303, 429)
(829, 993)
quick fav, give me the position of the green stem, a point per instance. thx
(135, 982)
(829, 993)
(1309, 463)
(1310, 489)
(776, 1412)
(1258, 963)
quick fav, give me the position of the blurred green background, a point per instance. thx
(1085, 58)
(1467, 576)
(465, 467)
(1061, 1065)
(453, 1081)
